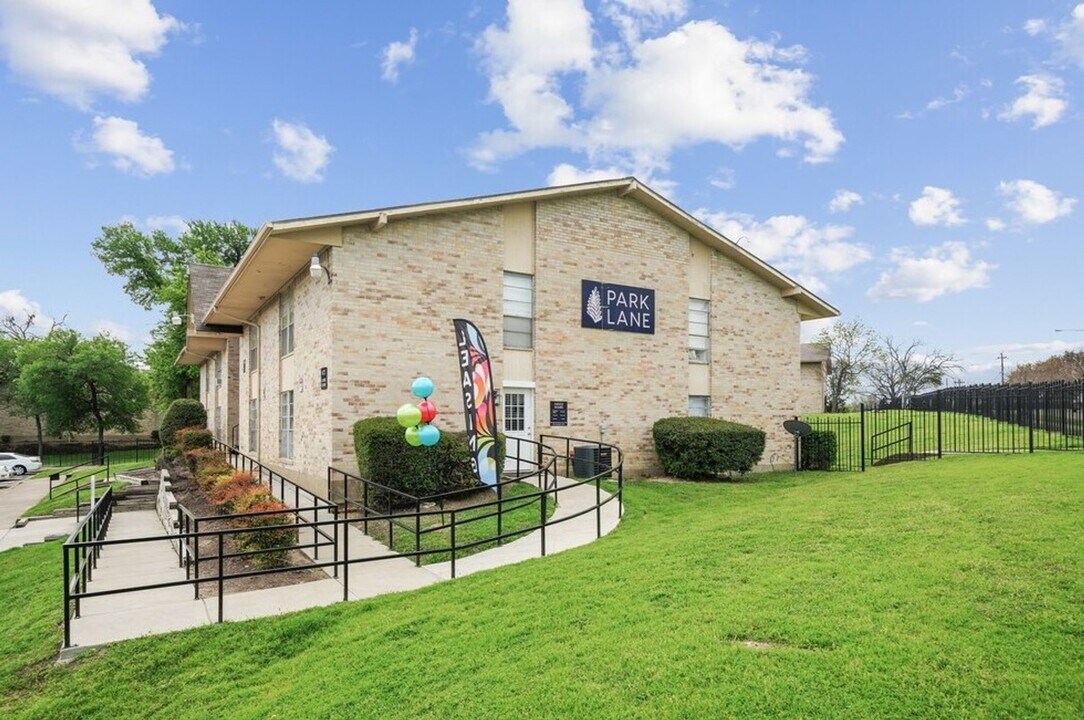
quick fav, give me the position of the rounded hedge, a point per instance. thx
(182, 413)
(385, 458)
(695, 447)
(819, 450)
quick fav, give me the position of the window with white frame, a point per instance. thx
(699, 327)
(253, 424)
(699, 406)
(286, 424)
(286, 323)
(518, 310)
(253, 349)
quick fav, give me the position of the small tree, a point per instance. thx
(853, 348)
(82, 385)
(900, 372)
(15, 332)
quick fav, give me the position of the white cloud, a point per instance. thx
(946, 268)
(936, 206)
(724, 179)
(995, 224)
(77, 50)
(397, 54)
(13, 303)
(634, 17)
(806, 251)
(129, 149)
(170, 224)
(1035, 203)
(1035, 26)
(566, 174)
(1070, 36)
(302, 155)
(114, 330)
(1044, 100)
(844, 200)
(640, 102)
(958, 94)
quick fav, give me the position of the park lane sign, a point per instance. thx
(617, 307)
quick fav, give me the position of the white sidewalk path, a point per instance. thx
(18, 496)
(120, 617)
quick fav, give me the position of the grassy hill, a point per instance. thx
(948, 588)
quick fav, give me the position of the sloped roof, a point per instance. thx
(201, 339)
(815, 352)
(282, 248)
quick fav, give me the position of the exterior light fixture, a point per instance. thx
(316, 269)
(180, 319)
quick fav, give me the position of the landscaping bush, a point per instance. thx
(385, 458)
(190, 438)
(691, 447)
(268, 532)
(236, 493)
(819, 450)
(182, 413)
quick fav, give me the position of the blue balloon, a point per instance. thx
(422, 387)
(429, 435)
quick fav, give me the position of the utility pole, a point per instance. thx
(1001, 357)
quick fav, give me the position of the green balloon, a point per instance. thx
(412, 438)
(408, 415)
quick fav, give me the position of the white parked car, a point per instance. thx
(15, 464)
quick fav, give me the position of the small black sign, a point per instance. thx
(323, 378)
(617, 307)
(558, 413)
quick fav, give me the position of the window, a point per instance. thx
(515, 412)
(253, 424)
(699, 406)
(286, 424)
(286, 323)
(518, 310)
(699, 315)
(253, 349)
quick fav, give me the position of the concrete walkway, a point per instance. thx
(150, 612)
(18, 496)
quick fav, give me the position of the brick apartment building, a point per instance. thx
(603, 298)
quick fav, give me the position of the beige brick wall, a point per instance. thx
(387, 316)
(811, 390)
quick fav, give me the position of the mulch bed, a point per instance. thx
(196, 502)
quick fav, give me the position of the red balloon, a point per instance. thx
(429, 411)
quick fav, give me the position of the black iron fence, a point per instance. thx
(971, 419)
(67, 453)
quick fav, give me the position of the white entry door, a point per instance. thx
(518, 404)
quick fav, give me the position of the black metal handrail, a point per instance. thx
(189, 536)
(84, 551)
(908, 439)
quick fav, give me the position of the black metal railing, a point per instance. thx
(967, 419)
(62, 454)
(81, 551)
(81, 482)
(336, 524)
(893, 443)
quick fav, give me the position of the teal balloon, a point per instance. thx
(412, 436)
(408, 415)
(429, 435)
(422, 387)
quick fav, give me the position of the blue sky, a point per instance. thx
(917, 164)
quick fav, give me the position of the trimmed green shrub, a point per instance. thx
(190, 438)
(819, 450)
(385, 458)
(182, 413)
(691, 447)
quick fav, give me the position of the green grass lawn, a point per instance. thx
(945, 589)
(46, 506)
(471, 526)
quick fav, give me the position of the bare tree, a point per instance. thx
(24, 328)
(899, 372)
(853, 348)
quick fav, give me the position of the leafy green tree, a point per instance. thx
(17, 331)
(155, 268)
(853, 348)
(81, 385)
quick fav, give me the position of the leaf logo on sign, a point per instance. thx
(594, 306)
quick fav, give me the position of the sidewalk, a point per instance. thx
(150, 612)
(15, 499)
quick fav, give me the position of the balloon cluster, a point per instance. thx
(417, 418)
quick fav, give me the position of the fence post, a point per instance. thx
(939, 443)
(221, 580)
(1031, 426)
(453, 544)
(500, 511)
(543, 528)
(862, 433)
(418, 532)
(67, 600)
